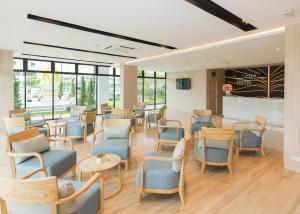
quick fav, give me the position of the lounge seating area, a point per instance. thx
(117, 107)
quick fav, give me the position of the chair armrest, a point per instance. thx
(178, 123)
(30, 154)
(82, 190)
(35, 125)
(95, 135)
(32, 172)
(130, 136)
(102, 111)
(163, 158)
(242, 123)
(251, 129)
(62, 138)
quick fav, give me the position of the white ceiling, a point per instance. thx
(170, 22)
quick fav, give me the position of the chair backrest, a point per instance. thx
(14, 125)
(201, 112)
(29, 196)
(16, 111)
(218, 134)
(21, 136)
(120, 112)
(90, 117)
(77, 110)
(261, 121)
(116, 122)
(104, 105)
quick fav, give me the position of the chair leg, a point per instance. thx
(262, 151)
(182, 193)
(126, 165)
(138, 196)
(203, 167)
(73, 173)
(237, 152)
(156, 147)
(230, 168)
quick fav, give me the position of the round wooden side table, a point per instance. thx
(58, 126)
(109, 161)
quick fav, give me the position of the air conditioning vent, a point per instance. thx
(119, 49)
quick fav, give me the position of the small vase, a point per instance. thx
(98, 160)
(228, 93)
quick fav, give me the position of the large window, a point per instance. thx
(49, 88)
(151, 88)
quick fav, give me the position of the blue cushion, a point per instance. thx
(178, 151)
(212, 154)
(119, 132)
(203, 119)
(57, 162)
(250, 139)
(151, 117)
(170, 134)
(118, 117)
(158, 174)
(107, 115)
(77, 128)
(118, 147)
(196, 126)
(89, 201)
(44, 131)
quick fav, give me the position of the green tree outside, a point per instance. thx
(73, 88)
(91, 102)
(60, 90)
(32, 80)
(82, 99)
(17, 97)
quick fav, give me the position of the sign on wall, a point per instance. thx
(265, 81)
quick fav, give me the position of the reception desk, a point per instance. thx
(246, 108)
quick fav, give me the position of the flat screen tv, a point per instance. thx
(183, 83)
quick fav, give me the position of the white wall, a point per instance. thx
(6, 84)
(186, 100)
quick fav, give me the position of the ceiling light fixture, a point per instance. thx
(213, 44)
(277, 49)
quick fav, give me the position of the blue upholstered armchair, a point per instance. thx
(162, 173)
(18, 124)
(139, 110)
(199, 119)
(249, 136)
(29, 150)
(214, 146)
(117, 139)
(169, 132)
(152, 116)
(82, 128)
(76, 113)
(24, 113)
(49, 195)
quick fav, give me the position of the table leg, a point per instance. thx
(101, 186)
(80, 176)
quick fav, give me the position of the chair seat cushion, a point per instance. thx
(250, 139)
(88, 202)
(57, 162)
(158, 174)
(196, 126)
(151, 117)
(43, 131)
(118, 147)
(77, 128)
(170, 134)
(212, 154)
(107, 115)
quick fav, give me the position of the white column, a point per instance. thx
(128, 85)
(6, 84)
(291, 99)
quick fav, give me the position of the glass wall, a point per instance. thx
(151, 88)
(49, 88)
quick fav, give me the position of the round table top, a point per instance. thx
(56, 123)
(89, 163)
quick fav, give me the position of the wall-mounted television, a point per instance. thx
(183, 83)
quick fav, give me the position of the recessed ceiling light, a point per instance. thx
(245, 21)
(289, 12)
(277, 49)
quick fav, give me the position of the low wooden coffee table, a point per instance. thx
(109, 161)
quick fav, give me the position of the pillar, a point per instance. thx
(128, 86)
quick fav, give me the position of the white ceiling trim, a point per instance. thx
(211, 45)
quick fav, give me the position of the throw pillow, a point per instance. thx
(66, 189)
(178, 151)
(162, 122)
(203, 119)
(37, 144)
(119, 132)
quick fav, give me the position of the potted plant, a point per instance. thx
(99, 157)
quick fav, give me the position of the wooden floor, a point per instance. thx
(258, 185)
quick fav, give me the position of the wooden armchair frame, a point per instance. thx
(116, 123)
(104, 108)
(223, 134)
(81, 115)
(198, 112)
(259, 120)
(179, 189)
(16, 138)
(42, 191)
(16, 111)
(167, 142)
(127, 113)
(159, 113)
